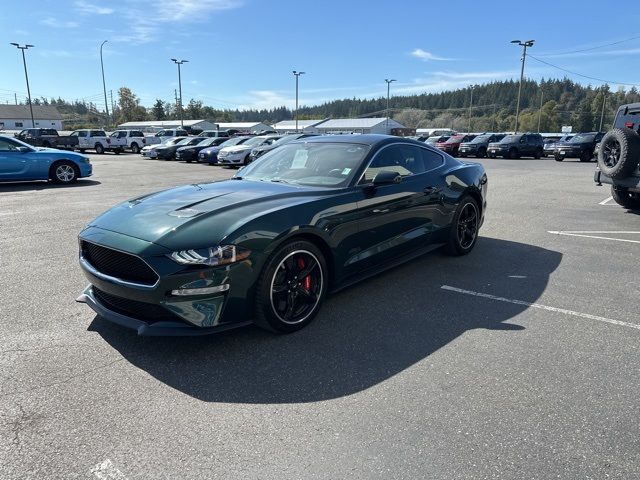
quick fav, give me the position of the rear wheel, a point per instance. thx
(625, 198)
(465, 227)
(63, 172)
(291, 288)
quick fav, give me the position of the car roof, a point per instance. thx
(370, 139)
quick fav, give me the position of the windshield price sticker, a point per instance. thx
(300, 159)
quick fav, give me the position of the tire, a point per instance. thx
(625, 199)
(82, 150)
(117, 151)
(247, 160)
(46, 144)
(586, 156)
(135, 148)
(538, 154)
(513, 153)
(464, 228)
(482, 153)
(99, 148)
(619, 153)
(285, 302)
(64, 172)
(558, 158)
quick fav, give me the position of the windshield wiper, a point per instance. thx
(236, 178)
(278, 180)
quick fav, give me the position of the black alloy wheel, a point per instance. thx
(465, 227)
(291, 288)
(611, 153)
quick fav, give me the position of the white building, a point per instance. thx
(17, 117)
(307, 126)
(356, 125)
(152, 126)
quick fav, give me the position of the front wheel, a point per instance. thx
(558, 158)
(465, 227)
(135, 148)
(537, 154)
(63, 172)
(291, 288)
(513, 153)
(585, 156)
(99, 148)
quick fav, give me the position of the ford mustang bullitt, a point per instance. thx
(268, 245)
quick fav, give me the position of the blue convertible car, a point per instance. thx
(20, 161)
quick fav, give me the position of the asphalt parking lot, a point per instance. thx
(517, 361)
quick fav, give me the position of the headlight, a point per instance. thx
(86, 160)
(214, 256)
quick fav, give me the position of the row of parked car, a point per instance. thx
(237, 150)
(581, 145)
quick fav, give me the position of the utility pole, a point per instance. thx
(15, 97)
(180, 62)
(26, 76)
(524, 45)
(389, 82)
(604, 100)
(297, 75)
(104, 86)
(470, 106)
(540, 111)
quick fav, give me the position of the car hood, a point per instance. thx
(200, 215)
(236, 148)
(48, 151)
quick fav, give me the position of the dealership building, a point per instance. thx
(17, 117)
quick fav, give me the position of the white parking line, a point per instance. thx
(582, 234)
(606, 201)
(107, 471)
(542, 307)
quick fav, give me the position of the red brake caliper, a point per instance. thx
(307, 280)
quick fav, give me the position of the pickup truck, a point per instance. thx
(46, 137)
(619, 158)
(92, 140)
(164, 135)
(122, 140)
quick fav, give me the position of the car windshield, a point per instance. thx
(174, 141)
(432, 139)
(511, 139)
(481, 139)
(315, 164)
(185, 141)
(207, 142)
(254, 141)
(285, 139)
(234, 141)
(454, 140)
(583, 137)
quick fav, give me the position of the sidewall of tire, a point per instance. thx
(629, 153)
(54, 178)
(453, 246)
(265, 316)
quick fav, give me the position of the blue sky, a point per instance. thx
(241, 52)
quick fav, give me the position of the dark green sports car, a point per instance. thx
(266, 246)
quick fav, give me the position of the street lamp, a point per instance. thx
(470, 106)
(389, 82)
(524, 45)
(180, 62)
(297, 75)
(104, 86)
(26, 75)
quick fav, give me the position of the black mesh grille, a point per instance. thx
(118, 264)
(147, 312)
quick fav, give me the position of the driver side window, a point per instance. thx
(403, 159)
(7, 145)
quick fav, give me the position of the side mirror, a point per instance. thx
(386, 177)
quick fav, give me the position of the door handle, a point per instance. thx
(431, 190)
(377, 210)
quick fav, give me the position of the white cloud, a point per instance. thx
(55, 23)
(85, 7)
(428, 56)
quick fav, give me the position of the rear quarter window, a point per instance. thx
(98, 133)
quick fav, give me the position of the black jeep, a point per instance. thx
(619, 158)
(580, 146)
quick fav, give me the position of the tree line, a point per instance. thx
(547, 105)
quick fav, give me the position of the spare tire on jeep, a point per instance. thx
(619, 153)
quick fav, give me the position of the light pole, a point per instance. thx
(389, 82)
(297, 75)
(470, 106)
(604, 101)
(524, 45)
(26, 76)
(104, 85)
(540, 111)
(180, 62)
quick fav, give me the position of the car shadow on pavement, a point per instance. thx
(363, 336)
(42, 185)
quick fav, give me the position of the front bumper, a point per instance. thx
(567, 152)
(158, 309)
(232, 159)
